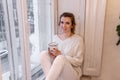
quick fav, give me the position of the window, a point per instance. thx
(26, 28)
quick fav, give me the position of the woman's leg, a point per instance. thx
(45, 62)
(61, 67)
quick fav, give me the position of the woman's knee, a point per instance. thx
(60, 58)
(43, 55)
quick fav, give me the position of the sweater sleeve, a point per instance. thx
(77, 59)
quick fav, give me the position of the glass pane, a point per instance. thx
(11, 61)
(3, 46)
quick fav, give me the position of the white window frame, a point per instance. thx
(24, 36)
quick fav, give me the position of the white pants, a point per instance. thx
(57, 69)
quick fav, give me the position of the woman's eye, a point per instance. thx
(67, 23)
(61, 22)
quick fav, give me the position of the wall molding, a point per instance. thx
(94, 28)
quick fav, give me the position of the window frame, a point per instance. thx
(24, 36)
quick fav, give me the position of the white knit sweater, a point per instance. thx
(72, 48)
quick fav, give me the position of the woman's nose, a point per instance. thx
(64, 24)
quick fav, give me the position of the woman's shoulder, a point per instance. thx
(56, 37)
(76, 36)
(78, 39)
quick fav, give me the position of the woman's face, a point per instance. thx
(66, 24)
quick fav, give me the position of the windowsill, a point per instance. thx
(36, 72)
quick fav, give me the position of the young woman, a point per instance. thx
(64, 62)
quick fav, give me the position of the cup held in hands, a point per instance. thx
(52, 45)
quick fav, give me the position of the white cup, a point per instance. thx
(52, 45)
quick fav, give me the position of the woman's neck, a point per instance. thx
(65, 35)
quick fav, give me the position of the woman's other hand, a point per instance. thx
(53, 53)
(56, 52)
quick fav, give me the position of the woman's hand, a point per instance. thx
(53, 53)
(56, 52)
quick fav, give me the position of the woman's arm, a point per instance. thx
(77, 59)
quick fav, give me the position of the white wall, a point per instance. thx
(111, 52)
